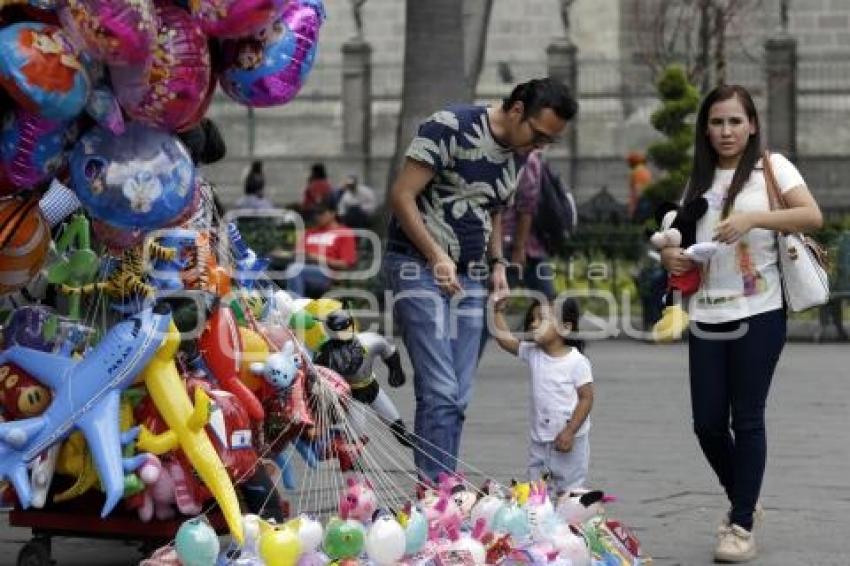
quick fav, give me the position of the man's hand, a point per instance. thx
(675, 261)
(564, 441)
(499, 282)
(445, 273)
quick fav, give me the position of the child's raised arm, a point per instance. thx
(503, 334)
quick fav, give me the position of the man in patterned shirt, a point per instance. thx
(459, 172)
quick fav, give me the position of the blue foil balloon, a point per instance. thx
(143, 179)
(40, 69)
(196, 543)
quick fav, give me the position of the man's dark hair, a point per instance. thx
(538, 94)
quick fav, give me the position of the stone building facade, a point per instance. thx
(616, 93)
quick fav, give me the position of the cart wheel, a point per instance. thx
(35, 553)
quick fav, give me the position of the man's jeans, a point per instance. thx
(442, 335)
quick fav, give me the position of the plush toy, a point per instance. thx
(679, 230)
(353, 357)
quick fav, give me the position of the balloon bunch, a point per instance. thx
(496, 529)
(96, 98)
(66, 64)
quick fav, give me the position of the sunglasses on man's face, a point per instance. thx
(539, 137)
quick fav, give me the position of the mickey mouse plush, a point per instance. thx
(679, 230)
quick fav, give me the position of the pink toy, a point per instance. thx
(169, 490)
(442, 516)
(172, 91)
(236, 18)
(359, 501)
(456, 484)
(119, 32)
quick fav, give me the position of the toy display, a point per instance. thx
(155, 383)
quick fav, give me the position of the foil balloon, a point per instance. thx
(196, 543)
(120, 32)
(270, 67)
(6, 186)
(170, 92)
(24, 241)
(40, 69)
(143, 179)
(32, 148)
(115, 238)
(236, 18)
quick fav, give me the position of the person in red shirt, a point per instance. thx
(318, 190)
(327, 247)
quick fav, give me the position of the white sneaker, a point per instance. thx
(734, 544)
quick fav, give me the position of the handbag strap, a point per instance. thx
(777, 201)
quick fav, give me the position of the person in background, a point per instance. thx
(255, 186)
(639, 177)
(318, 190)
(328, 244)
(357, 203)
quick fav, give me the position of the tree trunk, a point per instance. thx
(476, 22)
(434, 70)
(720, 48)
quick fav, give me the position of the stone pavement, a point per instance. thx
(643, 451)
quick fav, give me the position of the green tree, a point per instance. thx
(679, 100)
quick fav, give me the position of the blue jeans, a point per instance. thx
(310, 279)
(441, 335)
(730, 379)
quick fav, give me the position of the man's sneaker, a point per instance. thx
(758, 516)
(734, 544)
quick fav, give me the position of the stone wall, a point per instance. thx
(616, 92)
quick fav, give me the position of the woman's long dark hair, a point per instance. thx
(569, 315)
(705, 156)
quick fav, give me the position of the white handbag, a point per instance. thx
(802, 261)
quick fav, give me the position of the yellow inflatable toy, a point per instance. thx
(254, 349)
(186, 423)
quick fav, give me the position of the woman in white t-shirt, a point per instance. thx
(738, 313)
(561, 391)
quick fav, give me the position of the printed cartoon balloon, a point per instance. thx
(270, 67)
(40, 69)
(143, 179)
(24, 240)
(236, 18)
(170, 92)
(120, 32)
(32, 148)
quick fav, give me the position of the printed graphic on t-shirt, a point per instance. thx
(752, 280)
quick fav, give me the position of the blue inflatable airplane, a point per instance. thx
(86, 396)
